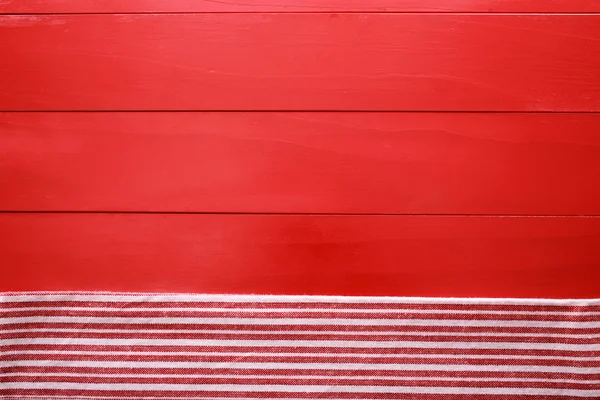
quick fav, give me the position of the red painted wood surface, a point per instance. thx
(290, 55)
(361, 255)
(133, 6)
(422, 62)
(416, 163)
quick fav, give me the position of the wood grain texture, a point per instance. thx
(134, 6)
(415, 163)
(416, 256)
(420, 62)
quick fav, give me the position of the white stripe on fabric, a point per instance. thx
(300, 388)
(316, 377)
(342, 311)
(303, 321)
(280, 332)
(395, 344)
(233, 298)
(303, 354)
(302, 366)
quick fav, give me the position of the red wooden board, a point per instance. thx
(121, 6)
(361, 255)
(416, 163)
(497, 62)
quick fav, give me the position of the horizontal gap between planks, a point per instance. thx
(303, 111)
(308, 12)
(297, 214)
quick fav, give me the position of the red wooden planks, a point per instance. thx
(134, 6)
(422, 62)
(383, 55)
(415, 163)
(361, 255)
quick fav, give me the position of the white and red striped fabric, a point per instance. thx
(180, 346)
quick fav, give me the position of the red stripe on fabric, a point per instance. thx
(300, 305)
(288, 314)
(298, 372)
(300, 327)
(258, 358)
(296, 382)
(303, 349)
(274, 395)
(269, 337)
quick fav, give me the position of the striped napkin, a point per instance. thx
(193, 346)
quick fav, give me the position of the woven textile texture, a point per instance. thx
(179, 346)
